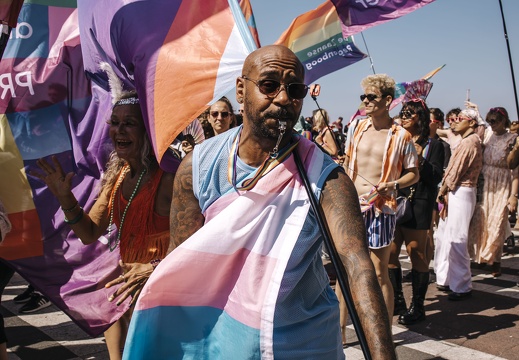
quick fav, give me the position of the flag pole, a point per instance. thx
(342, 277)
(369, 55)
(509, 57)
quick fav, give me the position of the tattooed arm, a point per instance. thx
(185, 217)
(341, 208)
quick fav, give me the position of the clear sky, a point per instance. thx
(466, 35)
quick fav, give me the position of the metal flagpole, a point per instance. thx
(509, 57)
(342, 277)
(369, 55)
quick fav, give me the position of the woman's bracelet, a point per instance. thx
(70, 209)
(77, 218)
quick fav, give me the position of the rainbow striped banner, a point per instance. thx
(316, 38)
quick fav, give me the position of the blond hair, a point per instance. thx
(321, 118)
(383, 82)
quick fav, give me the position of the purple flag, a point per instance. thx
(47, 107)
(358, 15)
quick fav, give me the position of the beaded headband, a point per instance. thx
(128, 101)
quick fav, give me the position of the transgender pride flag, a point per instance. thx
(317, 40)
(214, 296)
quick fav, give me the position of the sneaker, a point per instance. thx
(24, 297)
(36, 303)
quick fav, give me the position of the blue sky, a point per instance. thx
(466, 35)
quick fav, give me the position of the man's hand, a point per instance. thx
(134, 277)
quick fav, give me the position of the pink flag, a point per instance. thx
(358, 15)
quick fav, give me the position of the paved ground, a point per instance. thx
(483, 327)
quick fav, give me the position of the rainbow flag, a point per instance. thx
(359, 15)
(316, 38)
(179, 55)
(46, 109)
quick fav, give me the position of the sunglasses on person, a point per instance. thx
(271, 88)
(492, 121)
(436, 122)
(370, 97)
(406, 114)
(224, 114)
(460, 119)
(514, 123)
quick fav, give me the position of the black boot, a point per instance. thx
(416, 312)
(395, 275)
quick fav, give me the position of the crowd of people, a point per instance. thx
(460, 183)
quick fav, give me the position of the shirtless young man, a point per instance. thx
(381, 158)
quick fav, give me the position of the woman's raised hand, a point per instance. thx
(57, 181)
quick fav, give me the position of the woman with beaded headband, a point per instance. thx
(135, 195)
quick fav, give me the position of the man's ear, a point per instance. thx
(240, 91)
(389, 100)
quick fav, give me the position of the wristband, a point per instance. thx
(397, 186)
(76, 219)
(70, 209)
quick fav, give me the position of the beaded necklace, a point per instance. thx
(119, 182)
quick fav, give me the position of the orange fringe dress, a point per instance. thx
(145, 234)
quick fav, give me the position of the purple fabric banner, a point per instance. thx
(358, 15)
(50, 108)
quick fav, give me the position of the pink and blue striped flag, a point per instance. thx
(215, 296)
(359, 15)
(316, 38)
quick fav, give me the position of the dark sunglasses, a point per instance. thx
(271, 88)
(370, 97)
(406, 114)
(215, 114)
(492, 121)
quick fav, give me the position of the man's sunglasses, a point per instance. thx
(370, 97)
(271, 88)
(214, 114)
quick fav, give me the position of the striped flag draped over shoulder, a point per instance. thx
(316, 38)
(179, 55)
(359, 15)
(46, 109)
